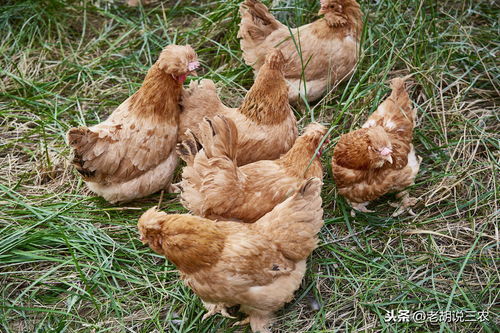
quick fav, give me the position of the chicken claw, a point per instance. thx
(360, 207)
(175, 188)
(405, 205)
(245, 321)
(214, 309)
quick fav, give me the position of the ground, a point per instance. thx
(71, 262)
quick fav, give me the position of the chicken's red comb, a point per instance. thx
(386, 151)
(193, 65)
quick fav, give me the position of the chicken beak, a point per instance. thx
(323, 7)
(192, 67)
(386, 154)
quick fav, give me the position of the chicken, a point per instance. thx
(257, 266)
(328, 47)
(266, 124)
(379, 158)
(132, 153)
(213, 186)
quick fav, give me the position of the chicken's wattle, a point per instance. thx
(182, 78)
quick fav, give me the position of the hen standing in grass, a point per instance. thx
(257, 266)
(213, 185)
(132, 153)
(379, 158)
(266, 125)
(328, 47)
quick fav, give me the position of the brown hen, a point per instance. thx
(257, 266)
(132, 153)
(379, 158)
(213, 185)
(266, 125)
(319, 55)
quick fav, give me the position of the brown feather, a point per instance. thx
(328, 46)
(215, 187)
(361, 173)
(131, 154)
(266, 124)
(258, 266)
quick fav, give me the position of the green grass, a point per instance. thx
(71, 262)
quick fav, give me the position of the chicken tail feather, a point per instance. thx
(258, 11)
(398, 85)
(219, 137)
(294, 223)
(400, 96)
(188, 148)
(214, 170)
(310, 188)
(257, 22)
(81, 139)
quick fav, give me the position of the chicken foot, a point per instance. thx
(214, 309)
(360, 207)
(405, 204)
